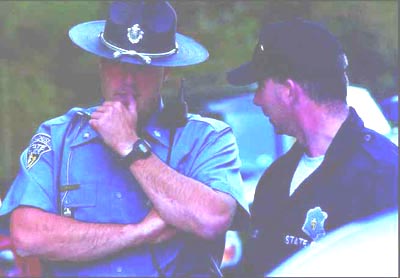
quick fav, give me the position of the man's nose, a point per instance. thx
(128, 78)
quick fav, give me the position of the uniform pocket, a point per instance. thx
(79, 201)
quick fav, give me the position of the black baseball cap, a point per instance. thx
(298, 48)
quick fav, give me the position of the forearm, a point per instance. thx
(57, 238)
(181, 201)
(184, 202)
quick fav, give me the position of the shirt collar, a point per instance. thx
(84, 132)
(343, 142)
(156, 130)
(347, 135)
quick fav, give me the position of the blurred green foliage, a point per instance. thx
(42, 74)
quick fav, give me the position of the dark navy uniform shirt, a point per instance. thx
(96, 187)
(358, 178)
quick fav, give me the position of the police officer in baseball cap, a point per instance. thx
(337, 171)
(124, 188)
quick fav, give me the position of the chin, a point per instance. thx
(278, 130)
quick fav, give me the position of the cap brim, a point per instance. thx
(86, 36)
(243, 75)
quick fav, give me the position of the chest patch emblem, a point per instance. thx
(314, 223)
(40, 144)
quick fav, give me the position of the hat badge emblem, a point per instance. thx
(135, 34)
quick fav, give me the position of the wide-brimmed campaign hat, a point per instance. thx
(297, 48)
(139, 32)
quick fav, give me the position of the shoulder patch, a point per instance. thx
(40, 144)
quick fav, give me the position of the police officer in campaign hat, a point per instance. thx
(337, 171)
(130, 187)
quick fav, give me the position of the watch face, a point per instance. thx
(143, 148)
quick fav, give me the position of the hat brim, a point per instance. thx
(243, 75)
(86, 36)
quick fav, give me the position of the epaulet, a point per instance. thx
(66, 117)
(215, 124)
(378, 146)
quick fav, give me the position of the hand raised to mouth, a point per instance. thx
(116, 122)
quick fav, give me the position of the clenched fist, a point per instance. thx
(116, 122)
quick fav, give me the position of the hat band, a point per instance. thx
(146, 57)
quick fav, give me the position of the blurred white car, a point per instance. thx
(368, 109)
(368, 248)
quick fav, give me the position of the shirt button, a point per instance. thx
(86, 135)
(255, 233)
(119, 269)
(118, 195)
(367, 137)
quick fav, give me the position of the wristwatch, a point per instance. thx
(141, 149)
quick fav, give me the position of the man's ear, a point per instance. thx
(291, 84)
(292, 89)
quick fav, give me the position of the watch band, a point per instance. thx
(141, 149)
